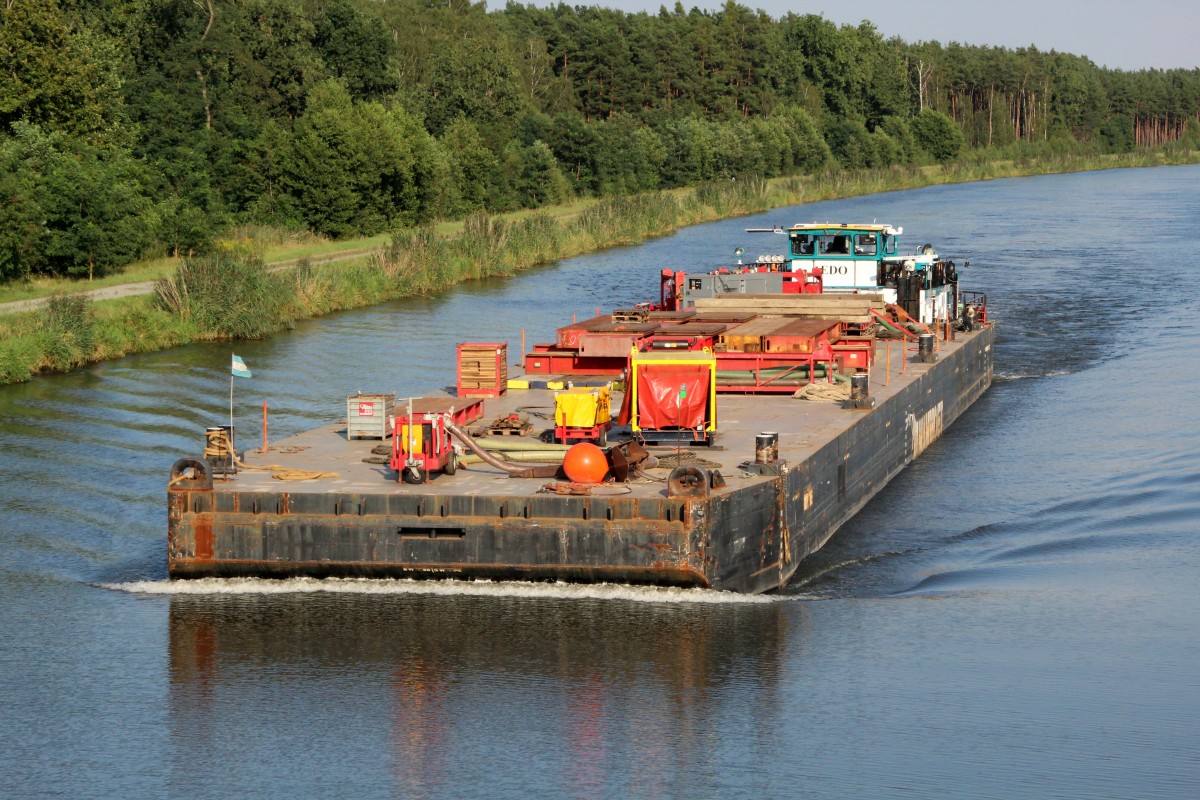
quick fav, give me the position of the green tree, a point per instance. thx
(356, 47)
(937, 135)
(689, 157)
(830, 62)
(96, 215)
(628, 156)
(472, 166)
(23, 159)
(357, 168)
(270, 62)
(900, 132)
(810, 152)
(73, 208)
(573, 142)
(1117, 134)
(850, 143)
(541, 182)
(773, 144)
(58, 73)
(480, 83)
(886, 150)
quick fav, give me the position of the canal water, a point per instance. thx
(1016, 615)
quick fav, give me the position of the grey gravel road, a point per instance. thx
(146, 287)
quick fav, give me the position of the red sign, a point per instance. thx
(366, 409)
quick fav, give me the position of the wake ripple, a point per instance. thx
(1002, 376)
(444, 588)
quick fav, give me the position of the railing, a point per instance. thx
(976, 301)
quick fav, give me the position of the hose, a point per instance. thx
(766, 377)
(484, 455)
(521, 456)
(510, 444)
(889, 326)
(800, 369)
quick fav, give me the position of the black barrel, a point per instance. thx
(925, 348)
(859, 386)
(766, 448)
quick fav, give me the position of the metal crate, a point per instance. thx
(368, 416)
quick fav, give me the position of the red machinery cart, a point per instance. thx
(421, 442)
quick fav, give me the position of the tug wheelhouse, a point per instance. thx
(832, 259)
(868, 258)
(849, 256)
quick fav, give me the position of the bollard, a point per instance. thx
(219, 449)
(925, 353)
(859, 385)
(860, 391)
(766, 448)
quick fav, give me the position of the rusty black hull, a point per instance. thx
(749, 536)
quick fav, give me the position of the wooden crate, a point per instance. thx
(750, 337)
(802, 335)
(851, 308)
(482, 369)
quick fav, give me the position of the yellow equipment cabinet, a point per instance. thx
(583, 412)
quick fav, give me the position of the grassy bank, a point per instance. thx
(234, 295)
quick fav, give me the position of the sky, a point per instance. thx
(1122, 34)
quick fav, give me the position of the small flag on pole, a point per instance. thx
(239, 367)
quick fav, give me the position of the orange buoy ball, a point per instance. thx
(585, 463)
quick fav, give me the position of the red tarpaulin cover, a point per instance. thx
(659, 403)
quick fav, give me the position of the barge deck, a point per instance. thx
(745, 526)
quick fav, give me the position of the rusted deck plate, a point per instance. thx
(803, 427)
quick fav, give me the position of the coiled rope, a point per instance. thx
(186, 475)
(831, 392)
(219, 446)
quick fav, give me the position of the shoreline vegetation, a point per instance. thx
(234, 294)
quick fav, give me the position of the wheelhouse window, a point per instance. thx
(834, 245)
(864, 244)
(804, 244)
(889, 244)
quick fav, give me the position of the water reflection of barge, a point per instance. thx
(737, 343)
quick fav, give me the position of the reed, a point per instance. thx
(68, 327)
(67, 335)
(227, 295)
